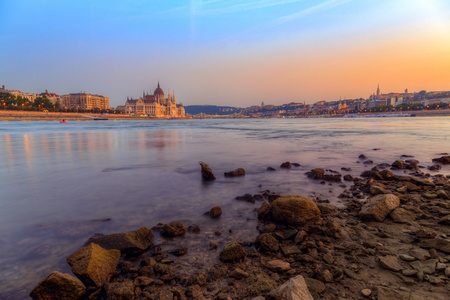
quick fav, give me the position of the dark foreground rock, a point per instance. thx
(378, 207)
(214, 212)
(294, 289)
(173, 229)
(232, 252)
(59, 286)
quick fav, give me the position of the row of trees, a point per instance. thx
(10, 102)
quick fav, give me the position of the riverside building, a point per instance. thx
(85, 101)
(155, 105)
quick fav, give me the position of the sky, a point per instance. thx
(228, 53)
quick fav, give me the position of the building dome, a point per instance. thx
(158, 91)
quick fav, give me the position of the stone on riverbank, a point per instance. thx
(207, 173)
(316, 173)
(120, 290)
(173, 229)
(295, 210)
(94, 265)
(60, 286)
(378, 207)
(130, 243)
(294, 289)
(214, 212)
(267, 243)
(443, 160)
(232, 252)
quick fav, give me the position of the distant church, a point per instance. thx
(155, 105)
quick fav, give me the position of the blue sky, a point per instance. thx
(237, 53)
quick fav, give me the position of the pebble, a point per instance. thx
(447, 272)
(366, 292)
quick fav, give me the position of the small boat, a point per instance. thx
(100, 119)
(63, 121)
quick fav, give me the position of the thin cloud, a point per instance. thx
(223, 7)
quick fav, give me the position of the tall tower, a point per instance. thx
(378, 91)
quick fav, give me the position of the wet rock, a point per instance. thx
(386, 293)
(173, 229)
(372, 174)
(295, 210)
(378, 207)
(180, 251)
(294, 289)
(246, 197)
(290, 250)
(207, 173)
(132, 242)
(94, 265)
(440, 244)
(326, 208)
(389, 262)
(434, 167)
(348, 177)
(258, 282)
(213, 245)
(346, 169)
(277, 265)
(267, 243)
(237, 172)
(386, 174)
(296, 165)
(411, 187)
(377, 188)
(286, 165)
(362, 157)
(442, 160)
(316, 173)
(194, 228)
(214, 212)
(399, 164)
(120, 290)
(238, 273)
(422, 181)
(270, 169)
(334, 229)
(199, 278)
(143, 281)
(58, 285)
(401, 215)
(232, 252)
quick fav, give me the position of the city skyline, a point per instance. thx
(237, 53)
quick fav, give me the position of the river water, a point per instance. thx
(61, 183)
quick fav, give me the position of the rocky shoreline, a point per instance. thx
(390, 241)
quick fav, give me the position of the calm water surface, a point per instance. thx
(59, 182)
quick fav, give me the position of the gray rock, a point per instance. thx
(378, 207)
(58, 285)
(94, 265)
(427, 266)
(294, 289)
(389, 262)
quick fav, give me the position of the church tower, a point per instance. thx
(378, 91)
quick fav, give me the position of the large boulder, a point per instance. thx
(378, 207)
(207, 173)
(130, 243)
(443, 159)
(58, 285)
(316, 173)
(173, 229)
(232, 252)
(294, 289)
(295, 210)
(94, 265)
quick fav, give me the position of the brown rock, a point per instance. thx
(58, 286)
(316, 173)
(389, 262)
(120, 290)
(237, 172)
(207, 173)
(295, 210)
(378, 207)
(401, 215)
(131, 242)
(286, 165)
(94, 265)
(173, 229)
(264, 210)
(214, 212)
(232, 252)
(443, 160)
(277, 265)
(267, 242)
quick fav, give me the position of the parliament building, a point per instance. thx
(155, 105)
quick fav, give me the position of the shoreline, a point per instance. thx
(16, 115)
(390, 241)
